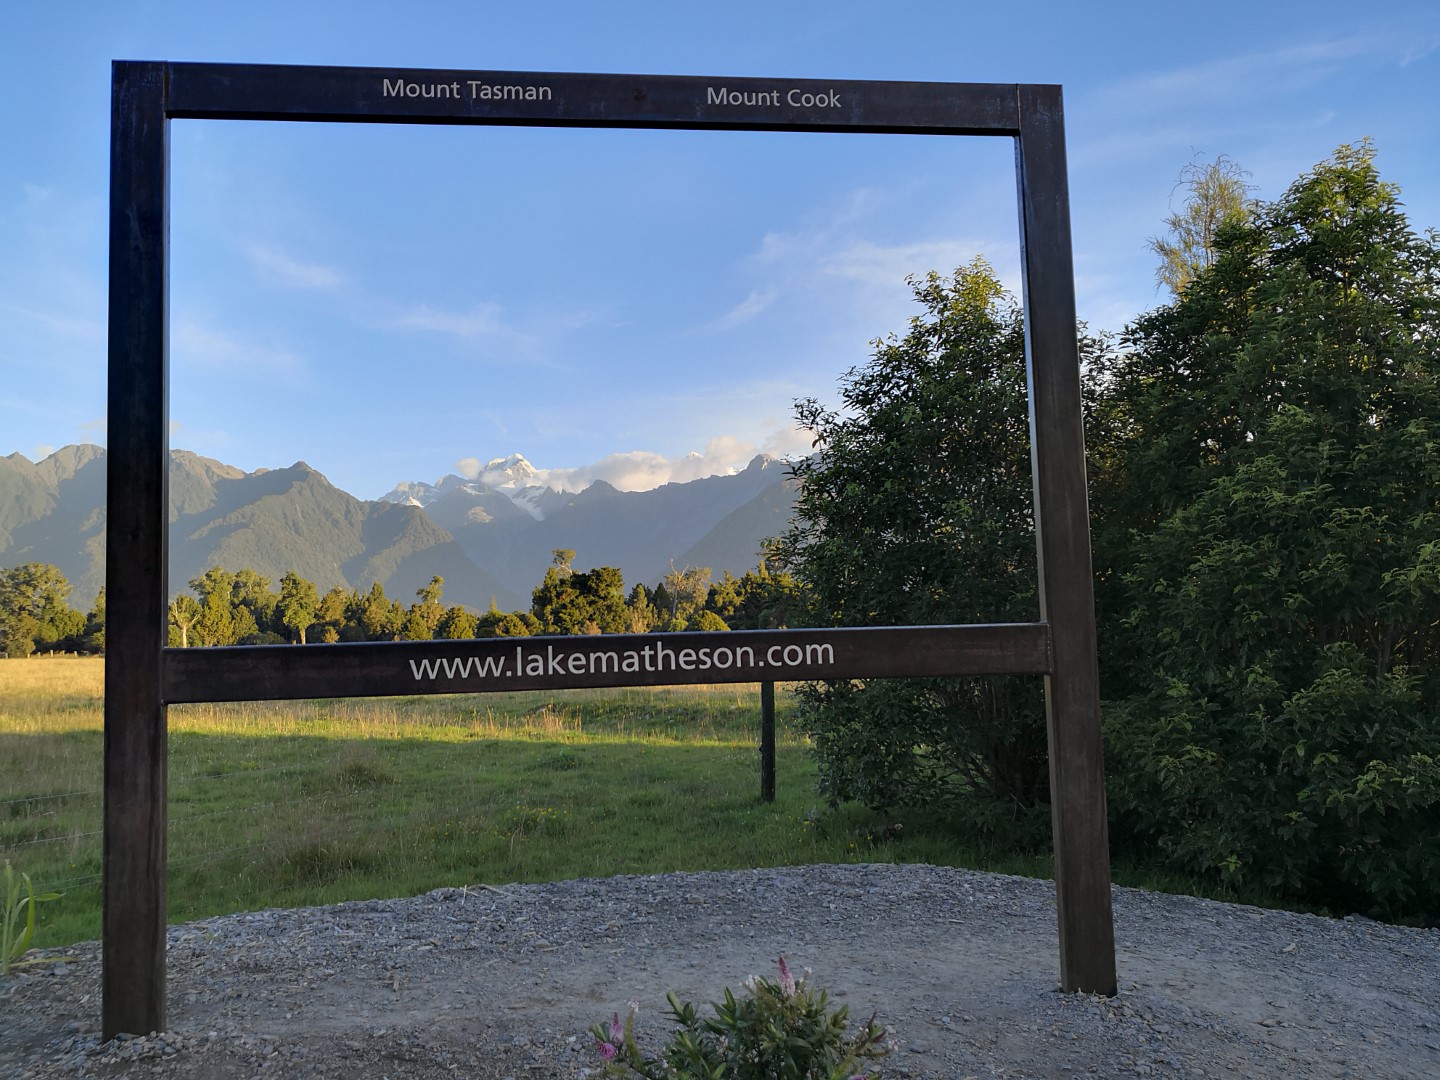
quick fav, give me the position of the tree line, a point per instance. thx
(224, 607)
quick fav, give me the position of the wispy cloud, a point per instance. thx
(1420, 49)
(195, 342)
(73, 325)
(741, 313)
(1258, 74)
(887, 264)
(190, 437)
(482, 320)
(847, 261)
(281, 269)
(491, 330)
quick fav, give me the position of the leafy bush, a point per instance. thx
(780, 1030)
(1270, 557)
(916, 509)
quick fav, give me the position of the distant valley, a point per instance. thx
(489, 537)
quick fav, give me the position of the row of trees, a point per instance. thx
(1264, 454)
(226, 607)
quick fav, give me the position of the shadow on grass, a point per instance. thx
(287, 820)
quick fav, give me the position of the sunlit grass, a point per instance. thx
(280, 804)
(304, 802)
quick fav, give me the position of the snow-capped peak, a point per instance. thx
(512, 472)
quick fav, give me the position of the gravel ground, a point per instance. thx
(485, 982)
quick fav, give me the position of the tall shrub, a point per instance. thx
(1270, 555)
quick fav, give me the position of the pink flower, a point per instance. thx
(617, 1032)
(607, 1050)
(787, 981)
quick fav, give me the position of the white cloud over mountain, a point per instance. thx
(635, 470)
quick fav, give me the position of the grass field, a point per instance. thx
(285, 804)
(307, 802)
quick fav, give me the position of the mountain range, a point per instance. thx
(489, 537)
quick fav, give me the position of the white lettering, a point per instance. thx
(726, 96)
(658, 656)
(401, 88)
(483, 91)
(820, 654)
(828, 100)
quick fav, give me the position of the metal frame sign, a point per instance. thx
(143, 676)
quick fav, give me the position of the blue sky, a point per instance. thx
(394, 303)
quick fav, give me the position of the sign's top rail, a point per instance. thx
(566, 99)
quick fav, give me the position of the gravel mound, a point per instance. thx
(505, 982)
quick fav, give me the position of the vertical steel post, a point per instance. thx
(133, 979)
(767, 741)
(1062, 539)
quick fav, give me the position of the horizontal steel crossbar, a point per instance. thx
(380, 669)
(568, 99)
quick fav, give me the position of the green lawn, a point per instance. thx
(283, 804)
(294, 803)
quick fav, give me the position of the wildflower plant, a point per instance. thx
(779, 1030)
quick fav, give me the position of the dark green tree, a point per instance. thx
(334, 609)
(760, 600)
(220, 621)
(707, 620)
(1269, 559)
(664, 605)
(574, 602)
(34, 611)
(375, 616)
(457, 624)
(94, 639)
(251, 592)
(641, 614)
(556, 603)
(423, 619)
(916, 508)
(603, 590)
(298, 605)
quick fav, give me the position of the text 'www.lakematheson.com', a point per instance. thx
(531, 660)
